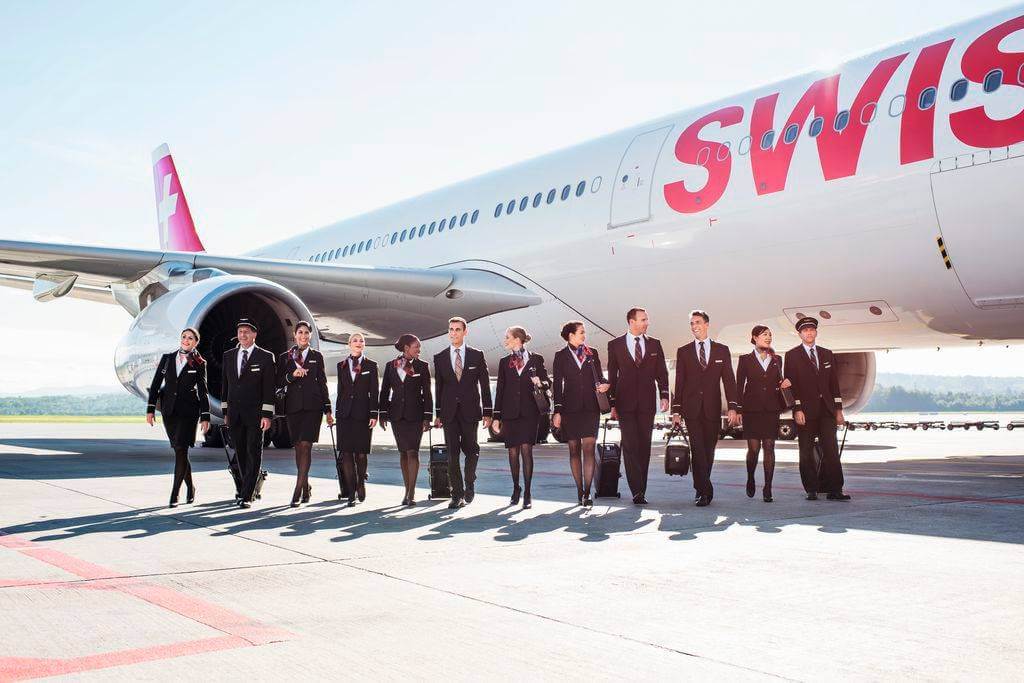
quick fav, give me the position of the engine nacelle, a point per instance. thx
(212, 306)
(856, 378)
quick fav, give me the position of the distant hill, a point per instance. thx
(121, 403)
(966, 383)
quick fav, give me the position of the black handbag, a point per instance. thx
(788, 399)
(602, 397)
(540, 394)
(677, 456)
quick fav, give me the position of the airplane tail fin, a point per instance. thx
(177, 231)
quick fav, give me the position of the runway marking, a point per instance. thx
(239, 630)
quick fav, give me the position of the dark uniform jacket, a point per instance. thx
(248, 397)
(632, 386)
(409, 400)
(304, 393)
(357, 399)
(757, 388)
(183, 394)
(468, 393)
(698, 392)
(814, 390)
(575, 385)
(513, 397)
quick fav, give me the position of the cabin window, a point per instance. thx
(790, 134)
(537, 198)
(767, 139)
(926, 100)
(842, 119)
(580, 188)
(993, 79)
(551, 195)
(958, 90)
(566, 191)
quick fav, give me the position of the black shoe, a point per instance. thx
(244, 504)
(703, 501)
(456, 504)
(516, 492)
(767, 495)
(750, 487)
(812, 496)
(588, 501)
(837, 496)
(306, 494)
(470, 494)
(361, 492)
(190, 497)
(173, 503)
(351, 502)
(527, 502)
(696, 497)
(411, 503)
(579, 497)
(405, 501)
(639, 500)
(294, 504)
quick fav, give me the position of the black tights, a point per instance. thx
(522, 452)
(303, 459)
(182, 471)
(581, 462)
(410, 470)
(353, 468)
(753, 446)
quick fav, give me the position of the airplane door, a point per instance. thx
(980, 209)
(631, 195)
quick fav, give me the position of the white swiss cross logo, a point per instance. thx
(167, 207)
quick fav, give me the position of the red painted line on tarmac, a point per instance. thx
(241, 631)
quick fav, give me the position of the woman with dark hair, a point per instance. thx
(356, 406)
(179, 386)
(516, 413)
(578, 378)
(405, 401)
(302, 373)
(759, 382)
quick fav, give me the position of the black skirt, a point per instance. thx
(580, 425)
(762, 425)
(520, 430)
(304, 425)
(181, 430)
(354, 436)
(408, 434)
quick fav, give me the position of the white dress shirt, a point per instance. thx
(179, 362)
(631, 344)
(462, 352)
(572, 352)
(763, 361)
(707, 349)
(352, 366)
(807, 350)
(526, 359)
(240, 349)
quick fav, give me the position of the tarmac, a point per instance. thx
(920, 576)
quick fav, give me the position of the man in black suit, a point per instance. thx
(703, 367)
(247, 384)
(817, 410)
(638, 378)
(463, 397)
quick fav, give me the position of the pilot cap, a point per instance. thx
(245, 322)
(806, 321)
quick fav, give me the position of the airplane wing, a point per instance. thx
(387, 301)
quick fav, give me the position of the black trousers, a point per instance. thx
(248, 440)
(703, 434)
(460, 435)
(828, 476)
(635, 430)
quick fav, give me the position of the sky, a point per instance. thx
(285, 117)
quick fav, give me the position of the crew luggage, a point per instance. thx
(236, 471)
(440, 487)
(677, 456)
(607, 472)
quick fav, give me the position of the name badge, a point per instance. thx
(652, 355)
(719, 360)
(191, 372)
(365, 372)
(254, 369)
(311, 362)
(471, 367)
(828, 365)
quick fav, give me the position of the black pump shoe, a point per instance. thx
(173, 503)
(516, 492)
(306, 494)
(527, 502)
(588, 502)
(750, 487)
(191, 495)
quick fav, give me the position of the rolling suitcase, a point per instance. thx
(677, 456)
(440, 487)
(236, 472)
(606, 474)
(819, 456)
(345, 492)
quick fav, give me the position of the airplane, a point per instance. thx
(881, 197)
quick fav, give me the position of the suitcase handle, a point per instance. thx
(677, 431)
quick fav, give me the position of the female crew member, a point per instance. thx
(578, 374)
(302, 372)
(759, 381)
(180, 386)
(405, 400)
(358, 392)
(516, 414)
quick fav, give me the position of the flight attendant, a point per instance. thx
(248, 378)
(405, 401)
(759, 381)
(516, 413)
(817, 410)
(358, 393)
(578, 379)
(302, 373)
(180, 386)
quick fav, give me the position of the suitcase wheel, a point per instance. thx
(618, 494)
(430, 496)
(340, 496)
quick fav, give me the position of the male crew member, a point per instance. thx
(462, 393)
(703, 367)
(638, 378)
(817, 409)
(247, 380)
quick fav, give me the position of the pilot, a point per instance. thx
(179, 386)
(248, 378)
(304, 379)
(817, 409)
